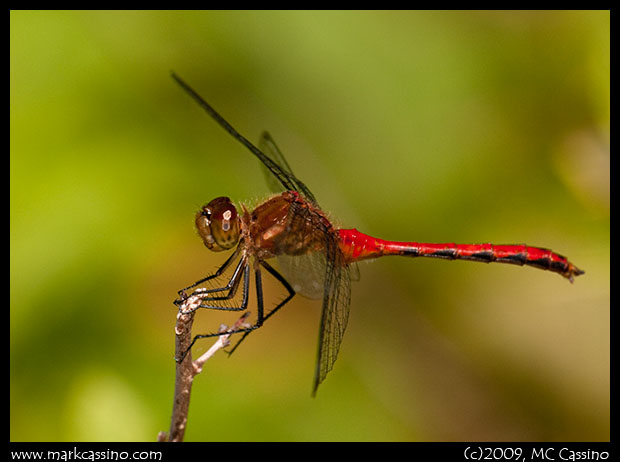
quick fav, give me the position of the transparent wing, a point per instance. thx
(283, 176)
(319, 273)
(305, 273)
(335, 315)
(271, 161)
(303, 268)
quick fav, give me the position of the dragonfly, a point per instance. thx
(315, 256)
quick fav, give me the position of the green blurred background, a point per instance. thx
(428, 126)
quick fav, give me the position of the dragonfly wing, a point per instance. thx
(283, 175)
(305, 273)
(335, 315)
(314, 265)
(271, 162)
(270, 149)
(303, 255)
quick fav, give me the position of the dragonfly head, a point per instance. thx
(218, 224)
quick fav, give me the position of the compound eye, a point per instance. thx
(218, 224)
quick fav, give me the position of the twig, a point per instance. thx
(187, 369)
(222, 342)
(184, 370)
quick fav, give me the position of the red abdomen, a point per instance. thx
(358, 246)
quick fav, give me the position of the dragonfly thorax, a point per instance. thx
(218, 224)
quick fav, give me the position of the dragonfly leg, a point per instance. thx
(182, 293)
(204, 294)
(244, 304)
(291, 294)
(242, 307)
(261, 317)
(232, 286)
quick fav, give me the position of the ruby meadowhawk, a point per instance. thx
(314, 255)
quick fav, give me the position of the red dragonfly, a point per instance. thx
(314, 255)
